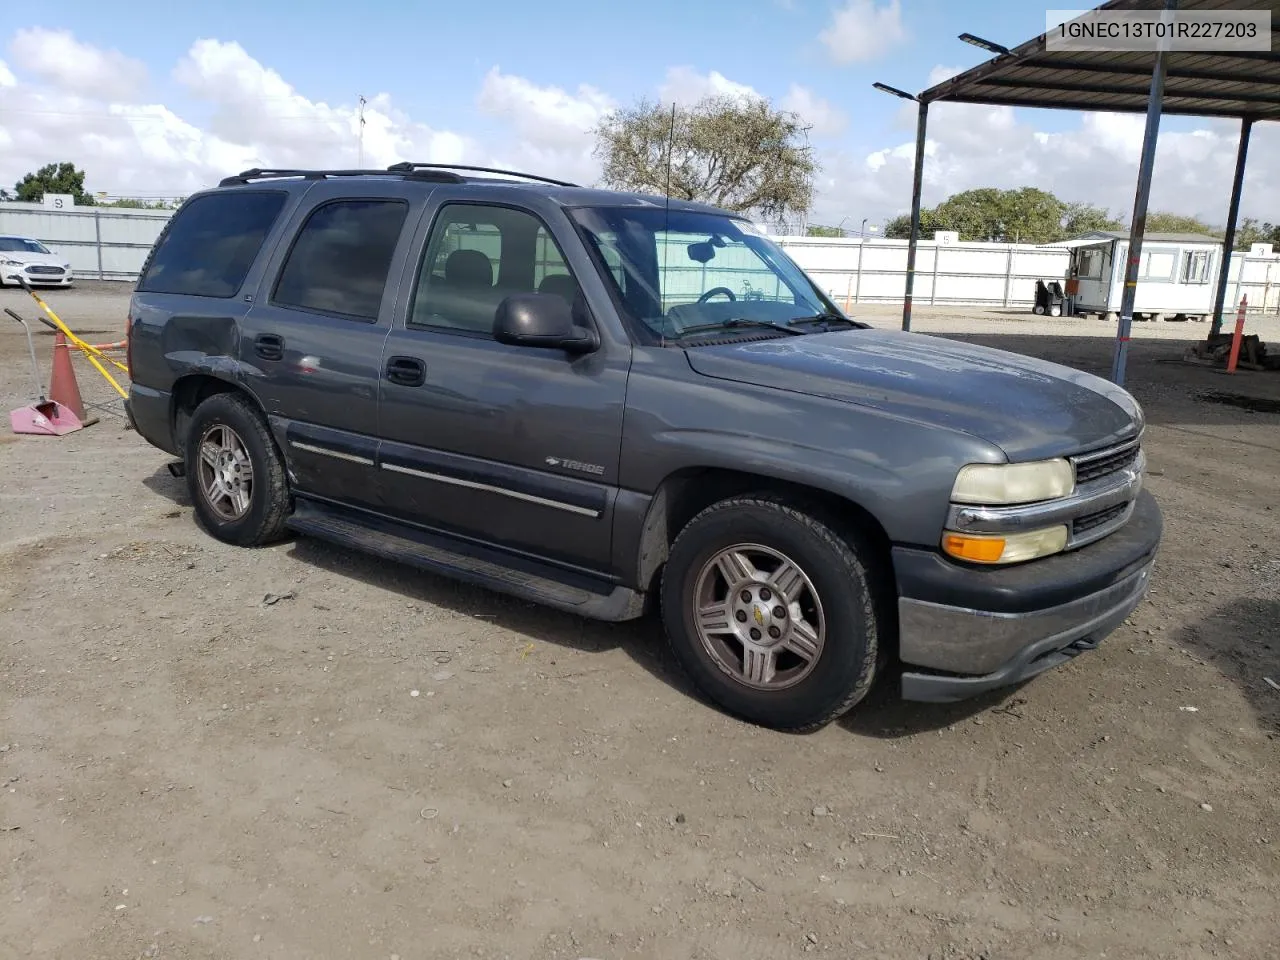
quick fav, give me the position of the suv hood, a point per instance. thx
(1029, 408)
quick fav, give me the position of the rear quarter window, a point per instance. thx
(206, 250)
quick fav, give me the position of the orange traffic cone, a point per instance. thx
(63, 387)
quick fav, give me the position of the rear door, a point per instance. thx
(312, 341)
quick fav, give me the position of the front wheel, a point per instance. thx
(235, 474)
(772, 612)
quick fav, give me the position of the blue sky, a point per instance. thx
(522, 83)
(432, 56)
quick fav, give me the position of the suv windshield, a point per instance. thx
(20, 245)
(684, 272)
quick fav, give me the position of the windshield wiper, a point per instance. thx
(737, 322)
(828, 318)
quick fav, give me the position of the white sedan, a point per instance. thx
(35, 262)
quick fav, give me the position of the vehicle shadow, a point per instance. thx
(1241, 640)
(168, 486)
(882, 715)
(640, 639)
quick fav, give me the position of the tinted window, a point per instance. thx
(477, 255)
(340, 260)
(210, 244)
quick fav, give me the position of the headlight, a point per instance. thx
(11, 263)
(1005, 548)
(999, 484)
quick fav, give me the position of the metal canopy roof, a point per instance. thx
(1241, 85)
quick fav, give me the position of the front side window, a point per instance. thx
(208, 247)
(679, 270)
(478, 255)
(341, 258)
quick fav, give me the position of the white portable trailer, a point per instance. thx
(1175, 279)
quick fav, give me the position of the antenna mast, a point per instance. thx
(666, 226)
(360, 147)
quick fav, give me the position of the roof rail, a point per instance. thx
(258, 173)
(406, 166)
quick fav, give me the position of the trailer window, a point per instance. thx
(1195, 266)
(1090, 264)
(1157, 265)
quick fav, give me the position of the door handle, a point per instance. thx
(407, 371)
(269, 346)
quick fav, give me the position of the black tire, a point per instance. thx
(836, 564)
(269, 500)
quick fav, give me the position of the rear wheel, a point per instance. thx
(772, 612)
(235, 474)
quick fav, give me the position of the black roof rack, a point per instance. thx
(257, 173)
(406, 166)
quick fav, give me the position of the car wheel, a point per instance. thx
(772, 612)
(235, 473)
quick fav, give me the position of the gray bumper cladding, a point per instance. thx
(983, 651)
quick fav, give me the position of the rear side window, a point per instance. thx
(210, 244)
(340, 260)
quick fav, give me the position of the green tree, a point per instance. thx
(1078, 218)
(1249, 231)
(818, 230)
(54, 178)
(899, 228)
(737, 153)
(133, 203)
(1026, 215)
(1162, 222)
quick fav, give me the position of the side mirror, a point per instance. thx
(541, 320)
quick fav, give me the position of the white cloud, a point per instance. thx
(1094, 160)
(548, 116)
(860, 31)
(256, 117)
(825, 118)
(58, 58)
(941, 73)
(685, 86)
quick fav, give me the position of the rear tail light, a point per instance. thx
(128, 345)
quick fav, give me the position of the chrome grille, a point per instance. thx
(1095, 466)
(41, 269)
(1091, 521)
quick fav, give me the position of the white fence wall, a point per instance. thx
(111, 243)
(855, 271)
(102, 243)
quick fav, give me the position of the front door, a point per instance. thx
(515, 446)
(313, 340)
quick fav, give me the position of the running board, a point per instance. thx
(406, 545)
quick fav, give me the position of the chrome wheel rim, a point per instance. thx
(225, 472)
(758, 616)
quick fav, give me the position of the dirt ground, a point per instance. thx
(300, 752)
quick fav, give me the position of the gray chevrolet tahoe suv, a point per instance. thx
(594, 400)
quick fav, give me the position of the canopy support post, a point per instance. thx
(916, 186)
(1233, 212)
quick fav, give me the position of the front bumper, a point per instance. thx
(11, 275)
(964, 631)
